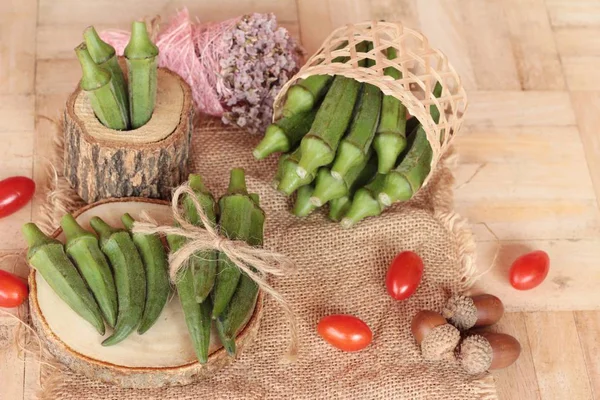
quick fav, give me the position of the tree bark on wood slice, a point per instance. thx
(145, 162)
(163, 356)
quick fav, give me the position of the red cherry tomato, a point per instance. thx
(15, 192)
(13, 291)
(404, 275)
(529, 270)
(345, 332)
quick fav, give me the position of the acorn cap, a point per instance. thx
(476, 354)
(461, 312)
(440, 342)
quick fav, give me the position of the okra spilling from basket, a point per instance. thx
(347, 145)
(114, 277)
(119, 104)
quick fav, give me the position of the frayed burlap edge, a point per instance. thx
(61, 199)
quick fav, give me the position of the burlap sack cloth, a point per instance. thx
(340, 271)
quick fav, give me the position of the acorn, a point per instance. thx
(488, 351)
(435, 335)
(466, 312)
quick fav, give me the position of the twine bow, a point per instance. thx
(257, 263)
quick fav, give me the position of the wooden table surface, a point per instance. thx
(529, 169)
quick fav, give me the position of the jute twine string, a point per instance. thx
(257, 263)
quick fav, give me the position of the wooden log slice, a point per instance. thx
(163, 356)
(144, 162)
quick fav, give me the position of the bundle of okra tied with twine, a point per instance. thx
(348, 144)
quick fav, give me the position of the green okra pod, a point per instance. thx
(142, 66)
(408, 177)
(328, 188)
(242, 304)
(303, 205)
(156, 264)
(289, 180)
(355, 145)
(339, 207)
(321, 142)
(390, 138)
(130, 278)
(105, 56)
(365, 202)
(204, 264)
(47, 255)
(283, 135)
(304, 95)
(235, 221)
(83, 248)
(99, 87)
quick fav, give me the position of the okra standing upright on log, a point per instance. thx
(408, 177)
(47, 255)
(284, 134)
(235, 220)
(319, 146)
(83, 248)
(365, 202)
(355, 145)
(289, 180)
(142, 65)
(303, 206)
(242, 304)
(329, 188)
(390, 138)
(156, 266)
(99, 87)
(105, 56)
(130, 278)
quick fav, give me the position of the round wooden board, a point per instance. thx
(163, 356)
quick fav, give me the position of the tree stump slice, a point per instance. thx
(163, 356)
(145, 162)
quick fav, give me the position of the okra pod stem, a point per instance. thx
(236, 213)
(142, 66)
(130, 278)
(48, 257)
(83, 248)
(156, 267)
(355, 145)
(304, 95)
(390, 138)
(365, 203)
(339, 207)
(284, 134)
(290, 181)
(408, 177)
(99, 87)
(105, 56)
(303, 205)
(332, 119)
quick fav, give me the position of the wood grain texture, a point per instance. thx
(574, 13)
(588, 328)
(577, 41)
(518, 381)
(581, 72)
(555, 344)
(537, 61)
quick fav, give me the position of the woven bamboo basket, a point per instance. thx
(422, 66)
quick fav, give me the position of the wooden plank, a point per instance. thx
(588, 328)
(517, 108)
(577, 41)
(404, 11)
(58, 43)
(442, 24)
(581, 72)
(518, 381)
(342, 12)
(494, 65)
(16, 113)
(574, 12)
(12, 369)
(586, 105)
(557, 356)
(17, 53)
(315, 24)
(537, 60)
(572, 283)
(78, 13)
(57, 76)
